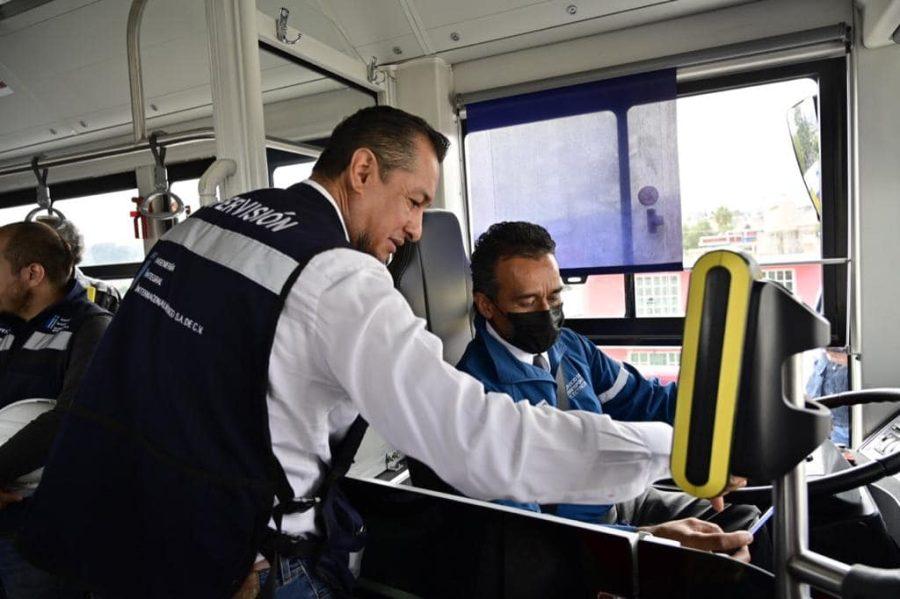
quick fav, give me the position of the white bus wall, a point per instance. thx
(879, 186)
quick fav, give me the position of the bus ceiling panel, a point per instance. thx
(306, 51)
(539, 24)
(66, 77)
(316, 18)
(476, 22)
(390, 32)
(466, 29)
(732, 59)
(18, 8)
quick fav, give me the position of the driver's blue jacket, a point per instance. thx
(594, 382)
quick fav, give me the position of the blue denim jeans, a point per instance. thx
(297, 580)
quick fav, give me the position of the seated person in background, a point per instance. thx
(48, 333)
(521, 349)
(99, 291)
(829, 377)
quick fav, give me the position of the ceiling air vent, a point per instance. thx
(880, 22)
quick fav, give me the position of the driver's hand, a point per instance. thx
(705, 536)
(734, 482)
(8, 498)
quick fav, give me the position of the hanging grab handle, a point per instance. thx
(162, 189)
(44, 201)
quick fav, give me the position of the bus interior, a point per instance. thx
(644, 134)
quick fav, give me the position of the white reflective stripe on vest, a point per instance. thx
(257, 261)
(7, 342)
(39, 341)
(618, 385)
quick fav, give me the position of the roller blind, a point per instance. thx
(595, 163)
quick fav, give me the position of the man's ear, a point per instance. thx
(363, 166)
(33, 274)
(484, 305)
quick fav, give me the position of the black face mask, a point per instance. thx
(535, 332)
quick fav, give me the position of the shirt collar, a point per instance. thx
(517, 352)
(74, 293)
(328, 197)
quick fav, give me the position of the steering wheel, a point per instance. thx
(837, 482)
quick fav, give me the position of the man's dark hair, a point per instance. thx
(388, 132)
(30, 243)
(506, 240)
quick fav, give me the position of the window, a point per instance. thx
(123, 285)
(594, 295)
(14, 214)
(287, 175)
(660, 362)
(723, 138)
(103, 221)
(785, 276)
(107, 227)
(189, 193)
(595, 163)
(658, 294)
(761, 169)
(649, 357)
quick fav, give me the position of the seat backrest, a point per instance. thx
(433, 275)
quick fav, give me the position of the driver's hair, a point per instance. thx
(506, 240)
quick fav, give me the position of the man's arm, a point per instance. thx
(487, 447)
(624, 392)
(27, 450)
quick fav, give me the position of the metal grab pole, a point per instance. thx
(789, 499)
(820, 571)
(135, 77)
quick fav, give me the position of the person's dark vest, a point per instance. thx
(34, 355)
(161, 481)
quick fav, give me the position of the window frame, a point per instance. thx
(278, 158)
(831, 75)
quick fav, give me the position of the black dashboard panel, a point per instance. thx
(426, 544)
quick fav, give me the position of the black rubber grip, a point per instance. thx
(864, 582)
(706, 378)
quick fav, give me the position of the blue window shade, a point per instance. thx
(595, 163)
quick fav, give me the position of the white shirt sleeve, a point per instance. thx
(485, 445)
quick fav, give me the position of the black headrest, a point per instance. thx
(433, 275)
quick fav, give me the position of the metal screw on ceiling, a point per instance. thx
(454, 36)
(571, 9)
(154, 108)
(83, 124)
(52, 131)
(397, 50)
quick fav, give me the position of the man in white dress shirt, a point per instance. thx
(281, 300)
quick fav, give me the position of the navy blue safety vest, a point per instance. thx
(160, 483)
(34, 355)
